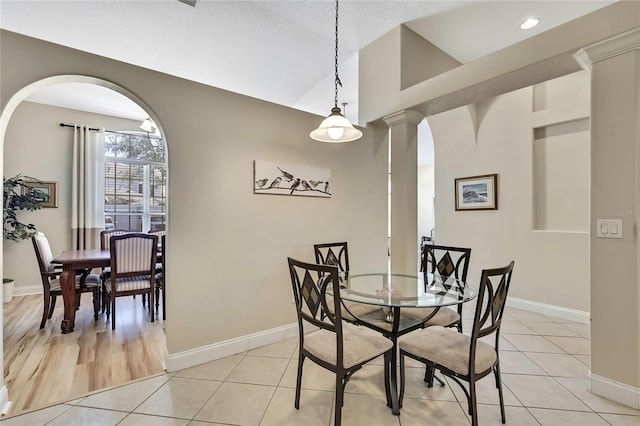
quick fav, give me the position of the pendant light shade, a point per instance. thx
(336, 128)
(149, 126)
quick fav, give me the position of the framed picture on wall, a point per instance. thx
(477, 192)
(46, 188)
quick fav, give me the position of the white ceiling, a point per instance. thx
(280, 51)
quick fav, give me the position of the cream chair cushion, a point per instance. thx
(359, 345)
(448, 348)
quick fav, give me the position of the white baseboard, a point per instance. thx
(5, 404)
(197, 356)
(551, 310)
(25, 290)
(615, 391)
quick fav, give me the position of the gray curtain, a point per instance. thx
(87, 188)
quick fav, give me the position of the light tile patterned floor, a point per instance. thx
(544, 362)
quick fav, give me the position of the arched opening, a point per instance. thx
(426, 182)
(41, 365)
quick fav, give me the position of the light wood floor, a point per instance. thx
(44, 366)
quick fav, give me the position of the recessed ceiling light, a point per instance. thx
(529, 23)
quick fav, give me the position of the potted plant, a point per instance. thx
(17, 195)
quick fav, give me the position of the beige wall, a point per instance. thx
(35, 145)
(227, 247)
(551, 266)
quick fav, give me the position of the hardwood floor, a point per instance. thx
(44, 366)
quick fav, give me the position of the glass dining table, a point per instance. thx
(394, 292)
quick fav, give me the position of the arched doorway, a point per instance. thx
(93, 348)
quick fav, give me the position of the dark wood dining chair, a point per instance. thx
(461, 357)
(337, 254)
(160, 278)
(337, 346)
(133, 269)
(85, 282)
(105, 238)
(447, 263)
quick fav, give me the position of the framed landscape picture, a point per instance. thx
(41, 187)
(477, 192)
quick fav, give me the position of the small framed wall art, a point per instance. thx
(42, 187)
(477, 192)
(290, 179)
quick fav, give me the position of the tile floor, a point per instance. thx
(544, 364)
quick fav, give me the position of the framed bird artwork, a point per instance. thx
(290, 179)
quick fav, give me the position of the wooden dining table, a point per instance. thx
(73, 261)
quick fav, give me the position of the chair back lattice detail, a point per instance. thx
(491, 300)
(334, 254)
(310, 283)
(448, 262)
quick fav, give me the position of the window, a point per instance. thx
(135, 182)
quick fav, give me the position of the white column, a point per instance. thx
(403, 127)
(614, 65)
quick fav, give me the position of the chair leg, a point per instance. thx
(402, 380)
(499, 386)
(52, 305)
(339, 401)
(45, 310)
(152, 311)
(473, 406)
(301, 358)
(387, 379)
(113, 311)
(164, 304)
(96, 303)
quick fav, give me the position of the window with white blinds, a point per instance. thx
(135, 182)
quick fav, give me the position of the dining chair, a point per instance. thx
(337, 346)
(462, 357)
(160, 278)
(448, 263)
(337, 254)
(133, 269)
(85, 282)
(105, 237)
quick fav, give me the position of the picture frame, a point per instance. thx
(477, 192)
(277, 178)
(48, 187)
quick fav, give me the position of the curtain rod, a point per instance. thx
(110, 131)
(71, 125)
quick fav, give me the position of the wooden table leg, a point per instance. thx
(68, 287)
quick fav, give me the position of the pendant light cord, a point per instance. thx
(337, 80)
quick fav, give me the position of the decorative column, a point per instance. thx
(614, 65)
(403, 139)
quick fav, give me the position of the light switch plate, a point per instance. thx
(609, 228)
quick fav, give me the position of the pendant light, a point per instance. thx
(336, 128)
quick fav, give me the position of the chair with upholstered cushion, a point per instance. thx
(133, 269)
(462, 357)
(105, 237)
(335, 345)
(85, 282)
(337, 254)
(447, 263)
